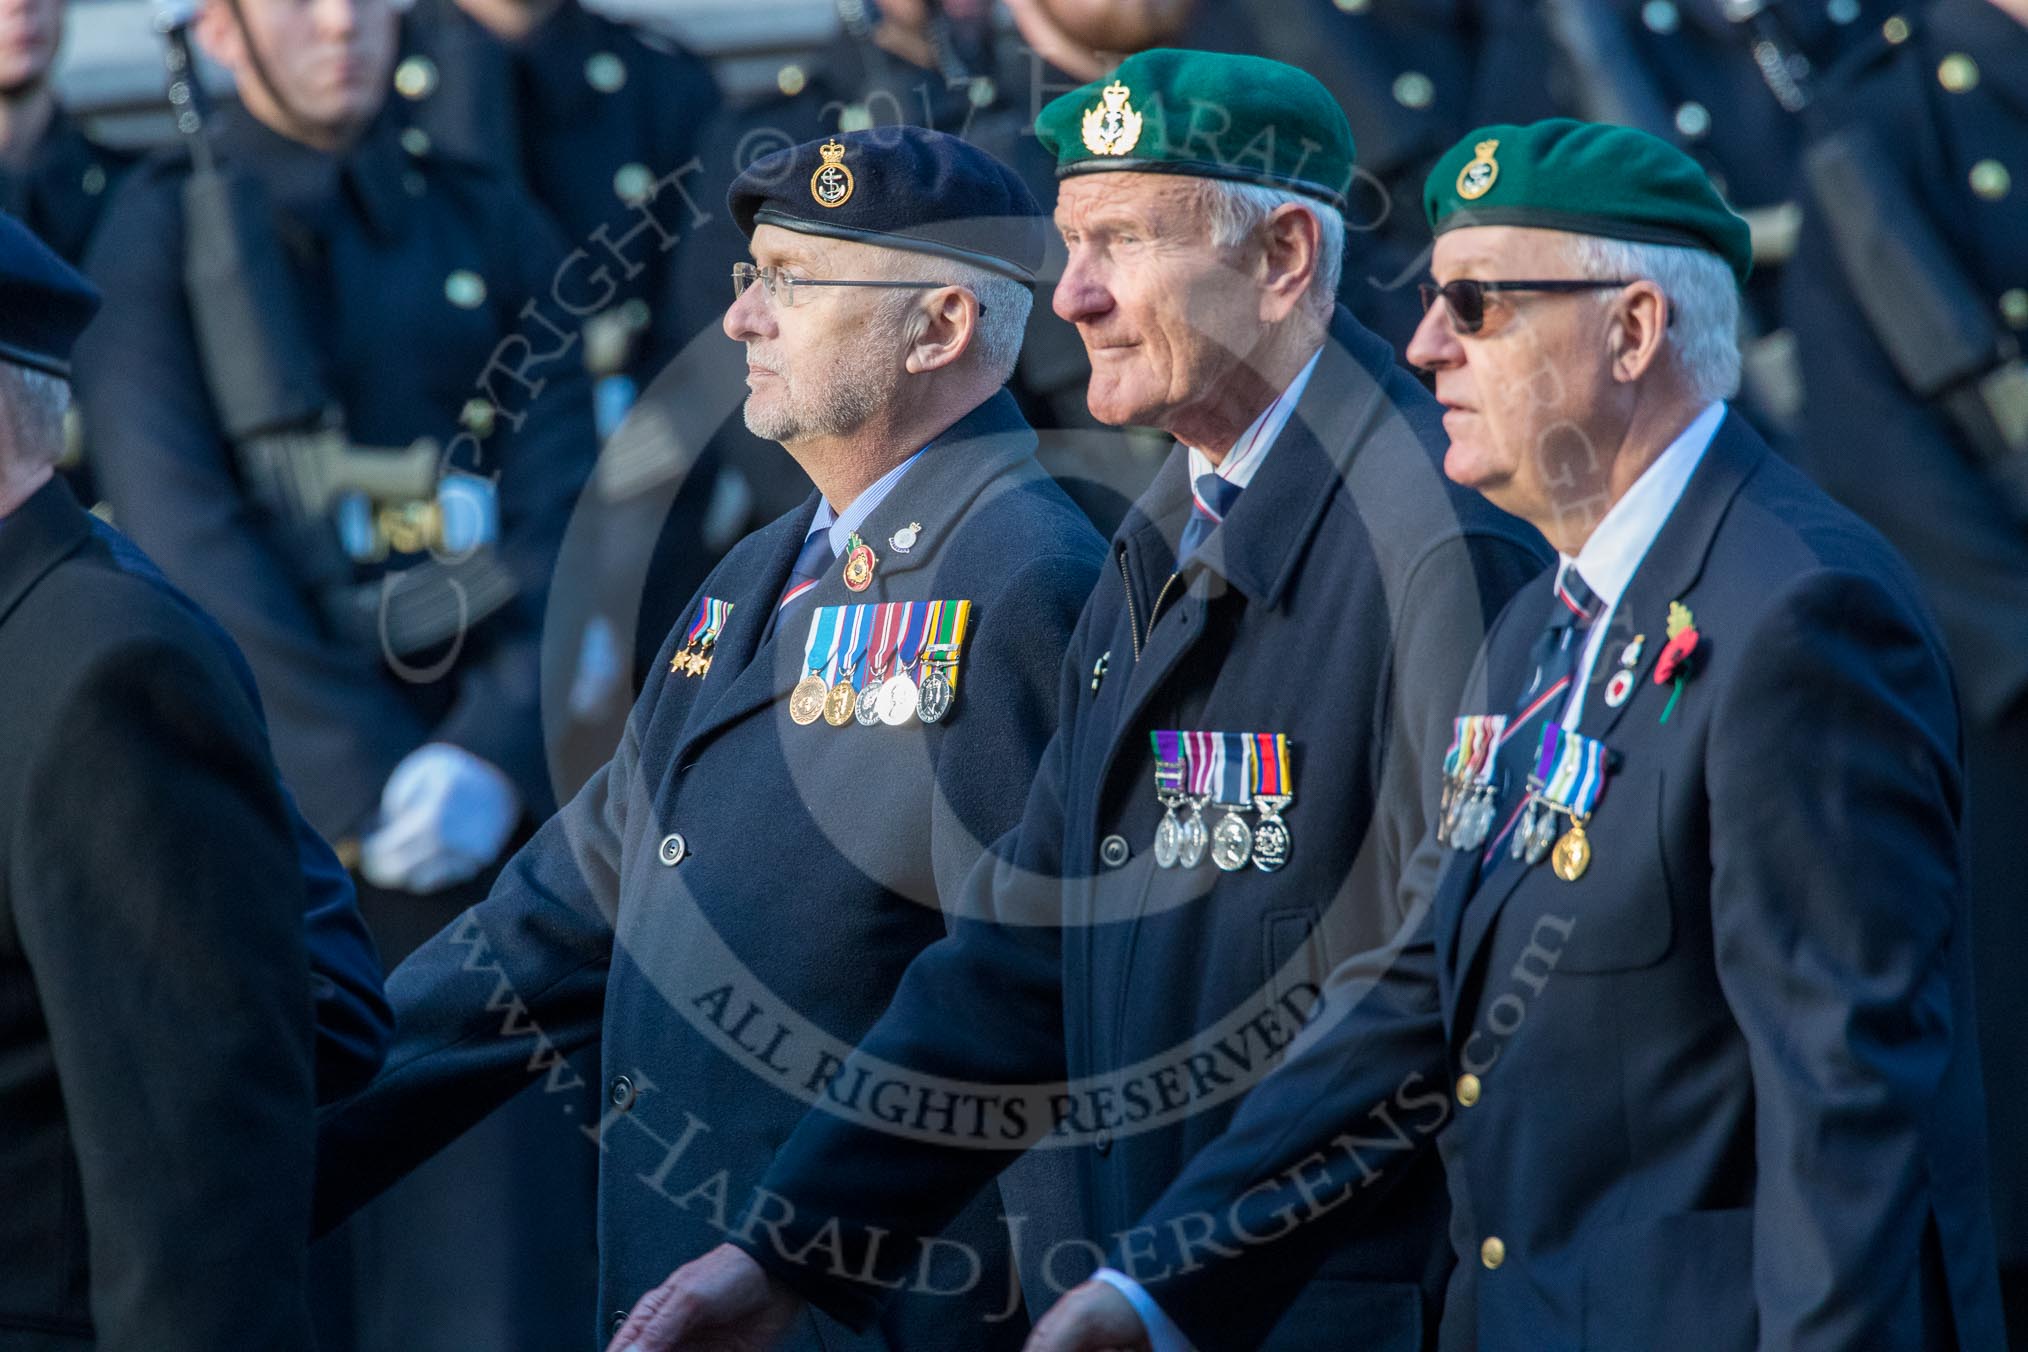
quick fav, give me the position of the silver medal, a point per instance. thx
(867, 710)
(898, 696)
(1271, 837)
(1196, 837)
(1523, 829)
(1168, 839)
(933, 701)
(1231, 842)
(1542, 836)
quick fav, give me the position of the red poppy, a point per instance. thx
(1675, 658)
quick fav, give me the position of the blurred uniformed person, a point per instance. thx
(1908, 297)
(157, 1068)
(737, 892)
(55, 177)
(1686, 1005)
(317, 401)
(1249, 698)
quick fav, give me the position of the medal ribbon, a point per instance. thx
(946, 629)
(1203, 761)
(886, 632)
(1571, 767)
(855, 645)
(1268, 763)
(909, 650)
(1235, 776)
(822, 647)
(1169, 760)
(711, 617)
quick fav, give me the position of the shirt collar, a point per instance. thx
(843, 524)
(1620, 541)
(1243, 461)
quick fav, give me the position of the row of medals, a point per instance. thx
(1180, 842)
(1467, 818)
(892, 700)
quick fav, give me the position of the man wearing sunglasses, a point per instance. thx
(1696, 988)
(850, 712)
(1235, 783)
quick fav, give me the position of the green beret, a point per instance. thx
(1208, 115)
(1590, 178)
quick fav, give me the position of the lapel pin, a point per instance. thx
(860, 561)
(904, 539)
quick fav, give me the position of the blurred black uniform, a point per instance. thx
(1939, 112)
(62, 188)
(412, 272)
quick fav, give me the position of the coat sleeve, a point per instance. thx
(1312, 1148)
(983, 1005)
(542, 454)
(161, 911)
(165, 467)
(1841, 977)
(353, 1022)
(502, 996)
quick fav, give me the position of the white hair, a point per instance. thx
(32, 406)
(1004, 302)
(1237, 210)
(1703, 303)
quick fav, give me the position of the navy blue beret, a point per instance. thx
(899, 187)
(44, 302)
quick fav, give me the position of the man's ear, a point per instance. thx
(1291, 254)
(218, 33)
(948, 320)
(1637, 326)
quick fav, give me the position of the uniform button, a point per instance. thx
(1841, 12)
(982, 92)
(1412, 89)
(1103, 1142)
(415, 141)
(1895, 30)
(622, 1093)
(617, 1320)
(465, 289)
(1693, 119)
(790, 79)
(415, 78)
(477, 416)
(1468, 1090)
(94, 181)
(672, 849)
(632, 182)
(2014, 308)
(1958, 73)
(605, 72)
(1492, 1253)
(1113, 851)
(1660, 16)
(1991, 180)
(1353, 6)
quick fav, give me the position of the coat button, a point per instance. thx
(1990, 180)
(1113, 851)
(617, 1321)
(1958, 73)
(1103, 1142)
(672, 849)
(1492, 1253)
(1468, 1090)
(2014, 307)
(622, 1093)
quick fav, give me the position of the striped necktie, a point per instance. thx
(1575, 609)
(811, 561)
(1211, 499)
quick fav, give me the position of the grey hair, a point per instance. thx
(1237, 210)
(1703, 303)
(32, 407)
(997, 338)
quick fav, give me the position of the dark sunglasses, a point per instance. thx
(1466, 298)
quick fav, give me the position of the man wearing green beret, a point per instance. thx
(1695, 971)
(1223, 815)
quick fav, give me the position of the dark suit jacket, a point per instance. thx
(1727, 1090)
(156, 1068)
(727, 905)
(1341, 603)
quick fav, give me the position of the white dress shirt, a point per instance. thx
(1243, 461)
(843, 523)
(1606, 562)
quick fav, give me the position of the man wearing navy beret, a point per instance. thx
(850, 712)
(182, 966)
(1233, 789)
(1695, 977)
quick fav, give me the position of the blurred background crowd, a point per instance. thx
(483, 283)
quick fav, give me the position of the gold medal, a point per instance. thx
(838, 704)
(808, 699)
(1572, 855)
